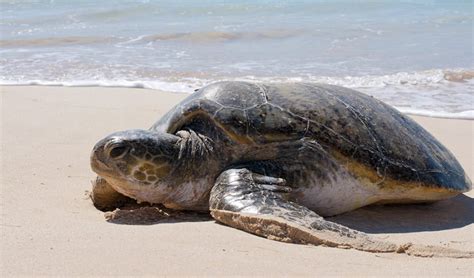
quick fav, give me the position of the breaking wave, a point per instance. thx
(192, 37)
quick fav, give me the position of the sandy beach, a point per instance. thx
(50, 227)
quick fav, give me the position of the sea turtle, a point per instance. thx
(272, 159)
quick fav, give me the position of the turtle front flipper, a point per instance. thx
(257, 204)
(105, 198)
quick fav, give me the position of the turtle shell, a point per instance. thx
(359, 130)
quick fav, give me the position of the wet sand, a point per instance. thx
(49, 226)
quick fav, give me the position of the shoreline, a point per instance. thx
(49, 227)
(186, 89)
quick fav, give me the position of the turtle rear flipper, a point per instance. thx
(240, 199)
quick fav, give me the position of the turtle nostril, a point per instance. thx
(118, 151)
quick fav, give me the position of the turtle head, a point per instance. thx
(137, 162)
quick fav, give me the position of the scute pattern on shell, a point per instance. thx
(354, 125)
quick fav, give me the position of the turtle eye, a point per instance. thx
(118, 151)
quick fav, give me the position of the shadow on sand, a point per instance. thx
(150, 215)
(443, 215)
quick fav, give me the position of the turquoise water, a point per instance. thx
(415, 55)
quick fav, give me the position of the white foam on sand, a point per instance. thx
(178, 87)
(466, 115)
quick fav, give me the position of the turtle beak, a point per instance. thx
(100, 157)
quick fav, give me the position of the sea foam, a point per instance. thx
(430, 93)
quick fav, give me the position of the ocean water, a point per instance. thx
(414, 55)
